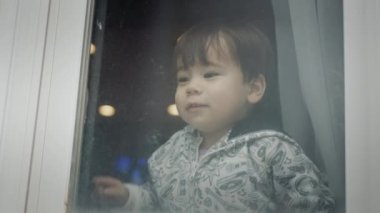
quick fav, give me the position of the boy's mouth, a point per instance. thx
(195, 106)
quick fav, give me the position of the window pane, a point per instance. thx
(132, 82)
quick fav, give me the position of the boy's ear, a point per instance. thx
(256, 89)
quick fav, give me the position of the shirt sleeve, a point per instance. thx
(142, 198)
(298, 184)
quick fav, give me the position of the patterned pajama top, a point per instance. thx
(263, 171)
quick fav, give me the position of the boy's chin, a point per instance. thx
(201, 127)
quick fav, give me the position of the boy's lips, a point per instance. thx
(195, 106)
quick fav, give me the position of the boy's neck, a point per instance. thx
(211, 138)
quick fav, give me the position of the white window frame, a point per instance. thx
(43, 71)
(362, 104)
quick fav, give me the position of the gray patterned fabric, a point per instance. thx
(263, 171)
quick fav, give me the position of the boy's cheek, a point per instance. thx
(179, 102)
(180, 109)
(177, 97)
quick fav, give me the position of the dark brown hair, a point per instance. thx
(247, 46)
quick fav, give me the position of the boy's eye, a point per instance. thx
(210, 74)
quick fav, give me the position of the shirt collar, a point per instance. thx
(198, 138)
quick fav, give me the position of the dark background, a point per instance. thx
(131, 71)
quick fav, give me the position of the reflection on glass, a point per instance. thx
(107, 110)
(172, 110)
(132, 68)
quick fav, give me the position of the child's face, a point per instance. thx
(213, 97)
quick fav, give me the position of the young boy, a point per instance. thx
(226, 160)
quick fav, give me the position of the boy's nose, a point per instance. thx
(193, 88)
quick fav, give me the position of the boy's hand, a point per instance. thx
(110, 191)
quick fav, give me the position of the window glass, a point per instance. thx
(132, 81)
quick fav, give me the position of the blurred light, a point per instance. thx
(123, 164)
(142, 162)
(106, 110)
(137, 177)
(172, 110)
(92, 49)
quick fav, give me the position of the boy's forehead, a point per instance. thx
(216, 54)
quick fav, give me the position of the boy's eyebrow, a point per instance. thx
(209, 63)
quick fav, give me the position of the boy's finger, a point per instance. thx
(105, 181)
